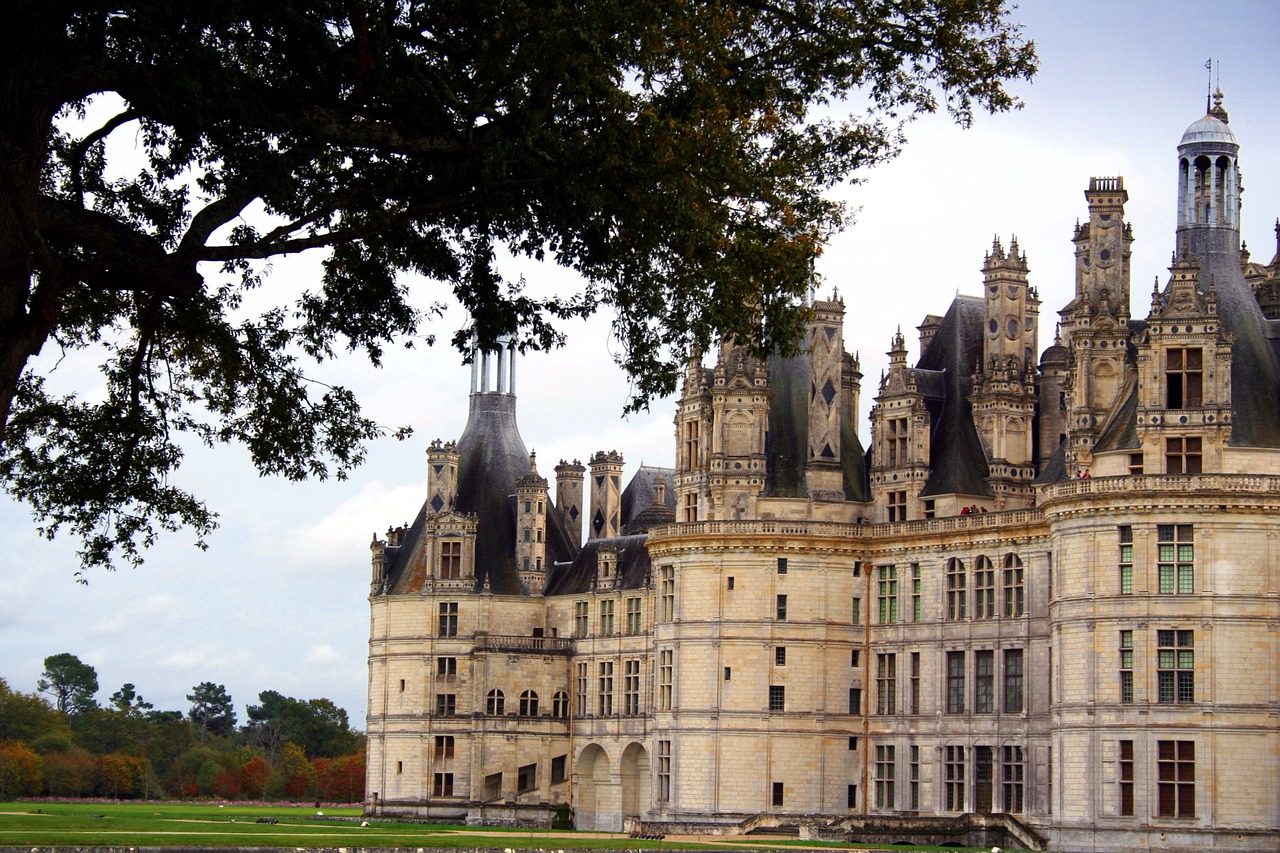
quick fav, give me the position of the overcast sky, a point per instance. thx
(279, 600)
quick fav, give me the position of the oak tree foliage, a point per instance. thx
(673, 153)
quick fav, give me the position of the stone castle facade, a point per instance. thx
(1043, 610)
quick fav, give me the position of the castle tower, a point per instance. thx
(1095, 325)
(606, 495)
(531, 527)
(824, 475)
(693, 428)
(1052, 396)
(1004, 395)
(442, 475)
(740, 419)
(1209, 233)
(900, 440)
(569, 496)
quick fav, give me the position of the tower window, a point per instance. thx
(1184, 377)
(1182, 455)
(897, 506)
(450, 559)
(897, 452)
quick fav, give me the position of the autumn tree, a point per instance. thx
(28, 716)
(71, 682)
(21, 770)
(674, 154)
(317, 725)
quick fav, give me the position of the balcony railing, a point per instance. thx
(524, 645)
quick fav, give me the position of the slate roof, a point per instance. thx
(787, 451)
(957, 462)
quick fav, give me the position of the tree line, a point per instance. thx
(59, 741)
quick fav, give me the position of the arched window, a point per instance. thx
(528, 704)
(560, 705)
(1015, 591)
(495, 703)
(984, 589)
(956, 591)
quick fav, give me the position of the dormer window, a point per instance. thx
(450, 559)
(1184, 378)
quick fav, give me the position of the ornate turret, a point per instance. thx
(606, 495)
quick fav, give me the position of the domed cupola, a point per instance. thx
(1209, 185)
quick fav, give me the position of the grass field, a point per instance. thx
(156, 824)
(183, 825)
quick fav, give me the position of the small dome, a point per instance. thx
(1208, 129)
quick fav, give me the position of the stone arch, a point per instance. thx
(596, 801)
(636, 786)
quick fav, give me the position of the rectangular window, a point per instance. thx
(886, 683)
(667, 593)
(896, 452)
(777, 697)
(1176, 558)
(779, 655)
(728, 673)
(581, 619)
(853, 742)
(984, 665)
(730, 585)
(855, 658)
(559, 769)
(915, 683)
(666, 668)
(402, 685)
(606, 618)
(1176, 778)
(984, 589)
(1184, 375)
(955, 682)
(444, 746)
(953, 778)
(780, 612)
(664, 771)
(855, 700)
(1126, 559)
(1175, 666)
(448, 621)
(1126, 666)
(446, 667)
(635, 623)
(583, 679)
(913, 777)
(446, 704)
(1182, 455)
(897, 506)
(1015, 587)
(887, 594)
(442, 785)
(778, 793)
(631, 687)
(1126, 777)
(956, 592)
(782, 565)
(1011, 772)
(851, 797)
(604, 688)
(526, 778)
(857, 611)
(1013, 681)
(450, 559)
(1135, 464)
(691, 506)
(885, 768)
(916, 589)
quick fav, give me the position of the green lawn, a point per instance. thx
(97, 824)
(180, 824)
